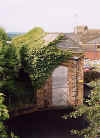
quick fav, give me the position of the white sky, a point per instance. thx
(51, 15)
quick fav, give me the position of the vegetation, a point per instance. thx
(33, 39)
(4, 116)
(3, 109)
(3, 37)
(91, 112)
(91, 76)
(23, 69)
(3, 34)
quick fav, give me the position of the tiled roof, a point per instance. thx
(50, 37)
(85, 38)
(97, 41)
(69, 44)
(66, 43)
(90, 36)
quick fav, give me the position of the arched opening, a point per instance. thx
(60, 86)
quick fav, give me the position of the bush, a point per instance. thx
(4, 116)
(91, 113)
(91, 76)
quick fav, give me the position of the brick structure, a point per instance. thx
(92, 55)
(88, 39)
(65, 86)
(74, 90)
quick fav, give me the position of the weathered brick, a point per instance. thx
(74, 85)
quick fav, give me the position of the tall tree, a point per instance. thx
(3, 34)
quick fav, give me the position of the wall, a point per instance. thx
(93, 55)
(44, 95)
(75, 85)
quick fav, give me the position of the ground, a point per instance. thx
(45, 124)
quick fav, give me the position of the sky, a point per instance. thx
(51, 15)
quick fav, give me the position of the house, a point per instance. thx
(65, 86)
(89, 41)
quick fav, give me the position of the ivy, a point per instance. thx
(57, 40)
(24, 70)
(45, 61)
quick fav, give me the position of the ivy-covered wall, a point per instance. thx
(24, 68)
(23, 71)
(74, 91)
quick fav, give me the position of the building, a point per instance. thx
(89, 41)
(65, 86)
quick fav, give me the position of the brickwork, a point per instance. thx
(74, 90)
(75, 85)
(44, 95)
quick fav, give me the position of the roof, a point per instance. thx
(85, 35)
(96, 40)
(69, 44)
(74, 41)
(66, 43)
(89, 37)
(50, 37)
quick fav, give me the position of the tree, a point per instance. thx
(3, 116)
(3, 34)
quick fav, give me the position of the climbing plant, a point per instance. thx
(43, 62)
(23, 71)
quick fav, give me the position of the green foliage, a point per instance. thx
(91, 112)
(33, 39)
(26, 65)
(57, 40)
(14, 82)
(23, 71)
(44, 62)
(3, 37)
(3, 34)
(3, 116)
(91, 76)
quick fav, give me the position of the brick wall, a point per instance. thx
(75, 85)
(93, 55)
